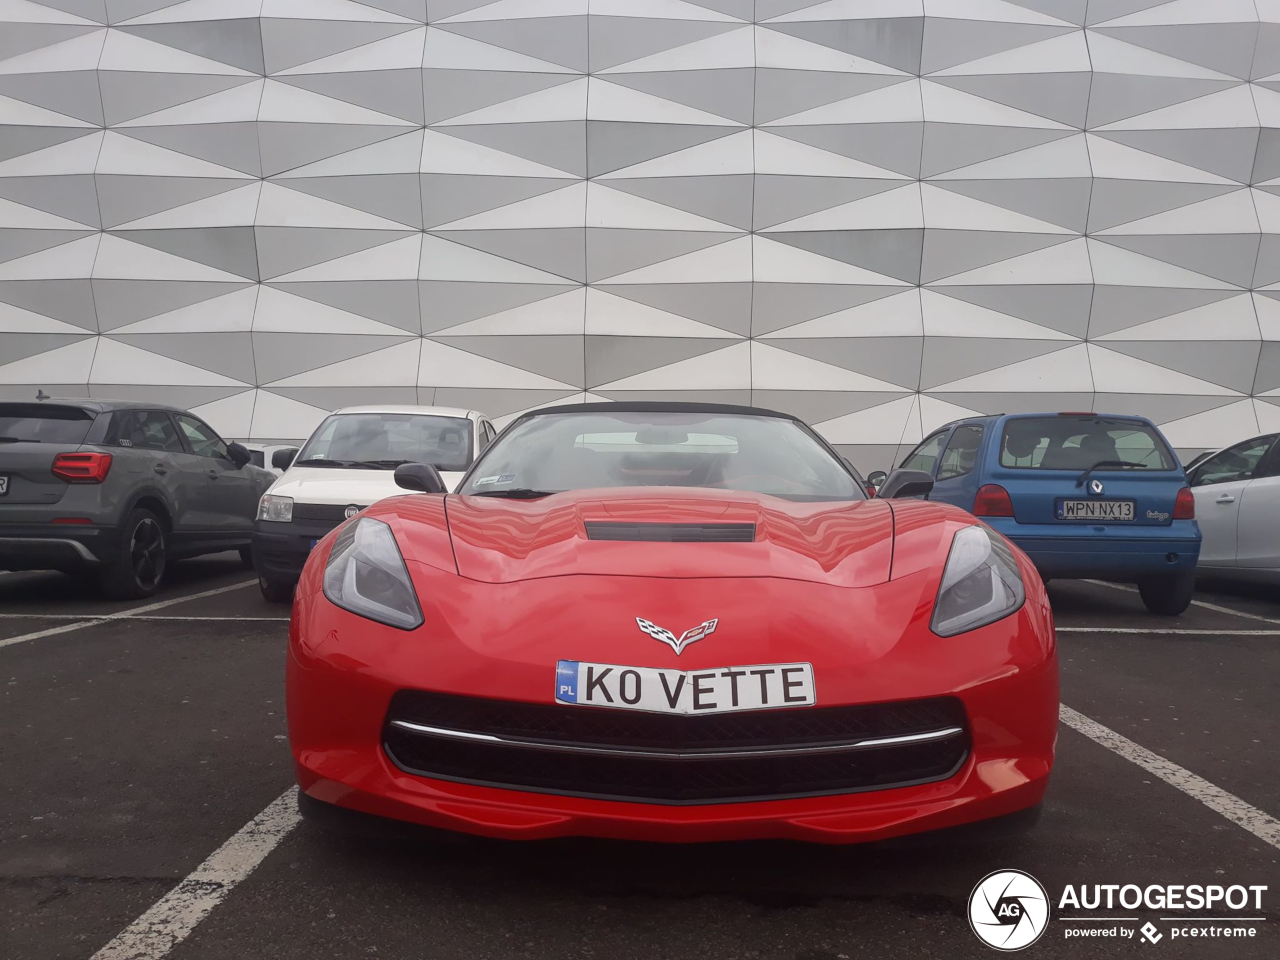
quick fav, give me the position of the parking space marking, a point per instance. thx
(1172, 631)
(1262, 825)
(171, 919)
(1203, 604)
(93, 619)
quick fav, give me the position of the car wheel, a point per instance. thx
(1168, 596)
(138, 568)
(246, 557)
(275, 591)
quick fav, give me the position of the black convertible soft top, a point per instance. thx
(657, 406)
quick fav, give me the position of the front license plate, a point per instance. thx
(658, 690)
(4, 486)
(313, 544)
(1105, 510)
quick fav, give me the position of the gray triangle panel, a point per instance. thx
(948, 42)
(1223, 256)
(1228, 363)
(1059, 306)
(1267, 270)
(948, 253)
(1160, 407)
(1228, 152)
(292, 42)
(121, 302)
(495, 401)
(127, 95)
(1063, 97)
(174, 394)
(557, 250)
(1116, 202)
(230, 354)
(950, 146)
(561, 144)
(768, 9)
(95, 10)
(1063, 201)
(1225, 47)
(72, 195)
(742, 9)
(558, 40)
(782, 93)
(396, 93)
(73, 93)
(230, 249)
(286, 146)
(448, 303)
(281, 355)
(619, 40)
(726, 93)
(1119, 308)
(725, 198)
(817, 406)
(1268, 375)
(452, 93)
(1073, 11)
(452, 196)
(997, 403)
(19, 38)
(392, 196)
(1266, 55)
(124, 198)
(893, 41)
(893, 359)
(735, 397)
(557, 356)
(723, 305)
(894, 253)
(440, 9)
(613, 144)
(947, 359)
(893, 146)
(781, 197)
(70, 301)
(15, 141)
(1100, 11)
(393, 302)
(612, 252)
(611, 358)
(20, 346)
(234, 42)
(282, 250)
(412, 9)
(1266, 163)
(120, 10)
(334, 398)
(22, 243)
(775, 306)
(232, 145)
(1119, 96)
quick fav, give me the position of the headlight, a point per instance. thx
(366, 575)
(980, 584)
(279, 509)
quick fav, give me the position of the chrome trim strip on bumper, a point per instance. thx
(75, 545)
(745, 753)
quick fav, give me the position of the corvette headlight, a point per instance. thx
(980, 584)
(366, 575)
(279, 509)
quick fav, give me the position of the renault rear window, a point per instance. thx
(43, 423)
(1083, 442)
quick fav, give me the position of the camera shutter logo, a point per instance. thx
(1008, 910)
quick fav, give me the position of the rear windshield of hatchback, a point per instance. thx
(1083, 443)
(42, 423)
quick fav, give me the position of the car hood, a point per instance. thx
(498, 540)
(335, 485)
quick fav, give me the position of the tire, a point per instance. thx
(139, 567)
(246, 557)
(275, 591)
(1168, 596)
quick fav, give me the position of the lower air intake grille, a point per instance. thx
(672, 759)
(672, 532)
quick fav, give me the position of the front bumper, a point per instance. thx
(1103, 551)
(343, 671)
(280, 550)
(48, 546)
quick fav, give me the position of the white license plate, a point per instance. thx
(1096, 510)
(4, 486)
(659, 690)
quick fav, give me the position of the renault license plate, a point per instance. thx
(659, 690)
(1106, 511)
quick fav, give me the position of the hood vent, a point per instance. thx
(672, 532)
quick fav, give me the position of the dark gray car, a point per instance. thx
(115, 491)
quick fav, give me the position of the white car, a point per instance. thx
(349, 463)
(1237, 492)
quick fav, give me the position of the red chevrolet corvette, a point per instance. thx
(672, 622)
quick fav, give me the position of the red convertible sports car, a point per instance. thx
(671, 622)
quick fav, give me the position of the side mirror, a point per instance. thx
(420, 477)
(877, 478)
(239, 454)
(283, 458)
(907, 483)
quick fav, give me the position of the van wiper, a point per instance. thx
(515, 493)
(1084, 477)
(326, 462)
(385, 464)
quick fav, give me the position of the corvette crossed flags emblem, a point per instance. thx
(670, 639)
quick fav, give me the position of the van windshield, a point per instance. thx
(1083, 442)
(387, 439)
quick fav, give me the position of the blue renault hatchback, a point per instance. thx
(1083, 494)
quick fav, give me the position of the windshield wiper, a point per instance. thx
(385, 464)
(16, 440)
(326, 462)
(1084, 477)
(516, 493)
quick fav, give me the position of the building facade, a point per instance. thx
(880, 215)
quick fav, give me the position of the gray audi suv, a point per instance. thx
(115, 491)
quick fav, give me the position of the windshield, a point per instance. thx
(1081, 442)
(386, 439)
(41, 423)
(551, 453)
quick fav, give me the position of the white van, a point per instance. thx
(349, 463)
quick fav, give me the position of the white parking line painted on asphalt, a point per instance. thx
(1172, 632)
(92, 619)
(1262, 825)
(1203, 604)
(171, 919)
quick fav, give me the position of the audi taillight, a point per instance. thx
(992, 501)
(1184, 508)
(82, 467)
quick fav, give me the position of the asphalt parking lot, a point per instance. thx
(141, 738)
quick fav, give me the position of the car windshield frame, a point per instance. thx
(1102, 462)
(312, 448)
(657, 417)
